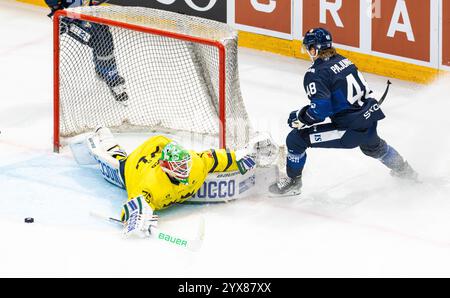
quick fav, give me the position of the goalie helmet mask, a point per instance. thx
(176, 162)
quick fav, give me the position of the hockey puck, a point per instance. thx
(29, 220)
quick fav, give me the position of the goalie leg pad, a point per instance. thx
(110, 168)
(109, 143)
(88, 150)
(81, 150)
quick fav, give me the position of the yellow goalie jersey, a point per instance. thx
(144, 176)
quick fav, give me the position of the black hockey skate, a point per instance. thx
(405, 171)
(107, 72)
(286, 187)
(118, 89)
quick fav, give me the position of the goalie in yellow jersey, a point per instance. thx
(161, 172)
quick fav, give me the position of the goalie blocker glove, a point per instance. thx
(245, 164)
(138, 218)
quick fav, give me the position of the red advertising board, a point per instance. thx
(340, 17)
(403, 29)
(446, 32)
(272, 15)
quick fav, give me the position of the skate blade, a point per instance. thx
(286, 195)
(123, 103)
(413, 180)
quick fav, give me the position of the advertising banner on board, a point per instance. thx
(403, 29)
(339, 17)
(208, 9)
(273, 15)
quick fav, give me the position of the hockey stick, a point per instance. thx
(385, 93)
(190, 244)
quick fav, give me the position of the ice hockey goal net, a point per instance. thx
(180, 73)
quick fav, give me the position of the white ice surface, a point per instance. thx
(353, 219)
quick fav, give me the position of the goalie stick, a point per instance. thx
(158, 234)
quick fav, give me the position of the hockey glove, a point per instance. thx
(56, 5)
(293, 120)
(245, 163)
(138, 218)
(305, 118)
(63, 26)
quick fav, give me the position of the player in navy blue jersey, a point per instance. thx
(99, 38)
(337, 90)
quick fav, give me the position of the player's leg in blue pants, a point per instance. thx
(328, 136)
(102, 45)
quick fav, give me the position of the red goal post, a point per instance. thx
(133, 27)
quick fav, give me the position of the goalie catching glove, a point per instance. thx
(138, 218)
(261, 151)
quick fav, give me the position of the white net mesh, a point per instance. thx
(170, 84)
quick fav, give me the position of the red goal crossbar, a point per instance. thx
(56, 57)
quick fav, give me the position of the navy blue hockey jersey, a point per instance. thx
(338, 90)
